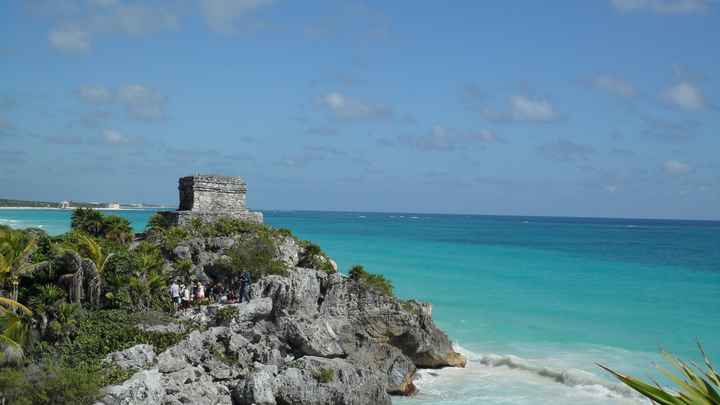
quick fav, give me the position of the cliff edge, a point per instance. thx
(309, 336)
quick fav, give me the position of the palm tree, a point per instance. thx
(117, 229)
(99, 261)
(16, 247)
(148, 282)
(14, 329)
(88, 220)
(45, 302)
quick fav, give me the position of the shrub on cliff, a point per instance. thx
(159, 223)
(225, 314)
(256, 255)
(49, 384)
(100, 332)
(314, 258)
(324, 375)
(375, 282)
(71, 369)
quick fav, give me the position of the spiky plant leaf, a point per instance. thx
(693, 387)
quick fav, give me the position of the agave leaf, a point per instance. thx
(654, 393)
(677, 380)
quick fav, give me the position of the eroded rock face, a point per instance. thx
(136, 357)
(143, 388)
(309, 338)
(356, 311)
(313, 380)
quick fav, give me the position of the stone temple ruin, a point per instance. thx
(210, 197)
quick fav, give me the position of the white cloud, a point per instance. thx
(614, 85)
(347, 108)
(103, 3)
(444, 139)
(221, 15)
(685, 95)
(483, 136)
(142, 102)
(95, 94)
(69, 40)
(522, 109)
(676, 167)
(527, 109)
(112, 137)
(135, 20)
(563, 150)
(661, 6)
(82, 21)
(611, 188)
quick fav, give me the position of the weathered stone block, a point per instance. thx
(211, 197)
(207, 193)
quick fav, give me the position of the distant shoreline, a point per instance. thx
(74, 208)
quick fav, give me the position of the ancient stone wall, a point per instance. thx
(209, 197)
(212, 194)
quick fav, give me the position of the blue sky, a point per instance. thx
(589, 108)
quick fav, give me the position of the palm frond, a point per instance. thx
(8, 303)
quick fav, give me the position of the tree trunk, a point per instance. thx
(14, 294)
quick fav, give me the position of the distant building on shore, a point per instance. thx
(114, 205)
(65, 205)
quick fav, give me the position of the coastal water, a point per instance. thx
(534, 302)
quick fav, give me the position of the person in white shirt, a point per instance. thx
(175, 294)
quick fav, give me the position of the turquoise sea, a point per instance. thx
(534, 302)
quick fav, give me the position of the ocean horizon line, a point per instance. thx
(409, 213)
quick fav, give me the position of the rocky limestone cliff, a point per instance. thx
(308, 338)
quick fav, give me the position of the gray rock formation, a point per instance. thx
(209, 197)
(143, 388)
(309, 338)
(136, 357)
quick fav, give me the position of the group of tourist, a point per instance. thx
(183, 296)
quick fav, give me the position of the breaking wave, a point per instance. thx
(507, 379)
(570, 377)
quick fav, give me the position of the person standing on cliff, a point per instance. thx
(245, 281)
(175, 294)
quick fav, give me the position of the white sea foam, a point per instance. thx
(507, 379)
(570, 377)
(18, 224)
(12, 223)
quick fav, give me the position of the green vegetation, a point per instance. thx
(315, 258)
(225, 315)
(324, 375)
(70, 301)
(158, 223)
(67, 301)
(66, 366)
(375, 282)
(694, 385)
(15, 330)
(94, 223)
(16, 249)
(49, 384)
(257, 256)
